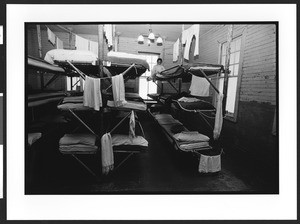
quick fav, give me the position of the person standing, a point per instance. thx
(158, 68)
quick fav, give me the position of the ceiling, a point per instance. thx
(168, 31)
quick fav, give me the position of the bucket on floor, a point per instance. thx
(210, 161)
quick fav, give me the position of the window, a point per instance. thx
(146, 87)
(233, 77)
(73, 83)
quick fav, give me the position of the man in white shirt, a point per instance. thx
(158, 68)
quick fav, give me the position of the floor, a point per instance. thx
(159, 170)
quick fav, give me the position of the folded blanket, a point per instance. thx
(126, 140)
(188, 99)
(133, 105)
(191, 136)
(195, 145)
(73, 106)
(33, 137)
(79, 148)
(75, 139)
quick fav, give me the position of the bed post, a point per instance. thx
(227, 62)
(100, 49)
(181, 45)
(39, 37)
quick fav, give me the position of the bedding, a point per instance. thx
(78, 143)
(73, 139)
(73, 106)
(191, 136)
(121, 58)
(74, 56)
(118, 139)
(186, 140)
(77, 149)
(33, 137)
(129, 105)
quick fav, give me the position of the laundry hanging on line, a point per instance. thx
(51, 36)
(187, 37)
(176, 50)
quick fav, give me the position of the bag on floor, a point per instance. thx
(210, 162)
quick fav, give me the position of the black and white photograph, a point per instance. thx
(179, 113)
(151, 108)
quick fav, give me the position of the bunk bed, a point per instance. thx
(76, 106)
(87, 62)
(180, 137)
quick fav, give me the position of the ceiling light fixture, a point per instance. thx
(140, 39)
(151, 38)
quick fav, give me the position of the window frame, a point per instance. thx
(242, 34)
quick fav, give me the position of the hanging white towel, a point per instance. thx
(92, 93)
(93, 47)
(59, 43)
(108, 30)
(107, 155)
(118, 88)
(81, 43)
(132, 125)
(199, 86)
(187, 36)
(176, 50)
(219, 117)
(51, 36)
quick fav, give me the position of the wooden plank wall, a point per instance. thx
(259, 62)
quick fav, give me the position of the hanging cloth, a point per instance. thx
(81, 43)
(176, 50)
(59, 43)
(199, 86)
(118, 89)
(187, 37)
(51, 36)
(93, 47)
(107, 155)
(219, 117)
(132, 125)
(92, 93)
(108, 30)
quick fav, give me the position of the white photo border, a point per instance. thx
(151, 207)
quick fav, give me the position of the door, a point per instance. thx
(147, 87)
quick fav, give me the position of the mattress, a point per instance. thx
(200, 105)
(44, 65)
(128, 96)
(44, 101)
(171, 73)
(73, 106)
(118, 62)
(78, 149)
(121, 58)
(74, 56)
(129, 105)
(208, 69)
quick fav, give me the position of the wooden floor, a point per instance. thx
(160, 170)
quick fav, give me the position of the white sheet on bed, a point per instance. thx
(74, 56)
(133, 105)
